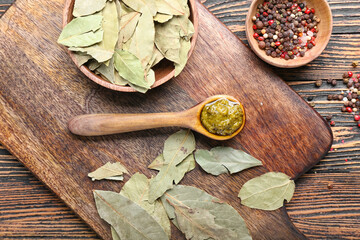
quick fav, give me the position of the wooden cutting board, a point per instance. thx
(41, 89)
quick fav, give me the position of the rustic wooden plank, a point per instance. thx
(337, 158)
(326, 205)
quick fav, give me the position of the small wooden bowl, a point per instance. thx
(322, 10)
(164, 70)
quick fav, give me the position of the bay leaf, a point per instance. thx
(108, 71)
(129, 67)
(149, 78)
(107, 171)
(93, 64)
(176, 148)
(82, 32)
(114, 234)
(223, 159)
(268, 191)
(87, 7)
(170, 7)
(199, 224)
(184, 51)
(186, 28)
(119, 80)
(129, 220)
(110, 26)
(159, 162)
(81, 58)
(123, 9)
(155, 58)
(98, 53)
(128, 23)
(137, 190)
(142, 42)
(161, 17)
(142, 5)
(194, 198)
(167, 39)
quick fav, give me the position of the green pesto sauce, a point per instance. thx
(222, 117)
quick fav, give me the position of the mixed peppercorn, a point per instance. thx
(285, 28)
(350, 97)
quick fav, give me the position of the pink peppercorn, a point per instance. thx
(349, 109)
(350, 74)
(256, 35)
(357, 117)
(254, 27)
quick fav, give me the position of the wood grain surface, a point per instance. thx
(326, 200)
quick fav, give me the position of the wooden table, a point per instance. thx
(326, 204)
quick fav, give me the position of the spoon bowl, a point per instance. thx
(105, 124)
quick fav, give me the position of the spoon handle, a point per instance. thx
(105, 124)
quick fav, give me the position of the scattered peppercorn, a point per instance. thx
(332, 123)
(330, 186)
(330, 97)
(310, 98)
(346, 80)
(343, 109)
(329, 117)
(318, 83)
(333, 82)
(329, 80)
(357, 117)
(355, 64)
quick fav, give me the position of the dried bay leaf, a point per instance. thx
(194, 198)
(108, 71)
(129, 67)
(107, 171)
(98, 53)
(176, 148)
(114, 234)
(223, 159)
(155, 58)
(82, 32)
(159, 162)
(184, 51)
(142, 5)
(87, 7)
(268, 191)
(167, 39)
(161, 17)
(199, 224)
(93, 64)
(142, 42)
(81, 58)
(110, 26)
(137, 190)
(129, 220)
(128, 25)
(170, 7)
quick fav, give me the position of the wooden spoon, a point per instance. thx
(104, 124)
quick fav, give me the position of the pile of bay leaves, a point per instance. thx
(144, 207)
(122, 40)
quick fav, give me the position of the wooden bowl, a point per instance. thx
(164, 70)
(322, 10)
